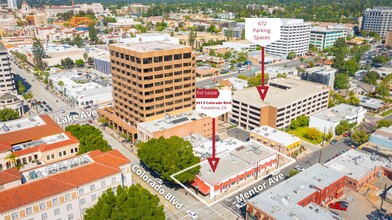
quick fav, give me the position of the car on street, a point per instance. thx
(334, 141)
(90, 121)
(62, 110)
(267, 177)
(73, 113)
(372, 217)
(159, 181)
(44, 102)
(46, 110)
(298, 167)
(240, 204)
(346, 134)
(191, 214)
(379, 215)
(341, 205)
(275, 172)
(50, 109)
(41, 106)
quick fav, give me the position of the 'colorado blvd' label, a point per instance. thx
(257, 189)
(262, 31)
(213, 102)
(157, 187)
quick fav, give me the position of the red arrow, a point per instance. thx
(213, 161)
(262, 89)
(207, 93)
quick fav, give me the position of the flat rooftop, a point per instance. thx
(202, 146)
(21, 124)
(315, 30)
(370, 102)
(275, 135)
(281, 200)
(355, 164)
(234, 162)
(297, 90)
(338, 113)
(150, 46)
(171, 121)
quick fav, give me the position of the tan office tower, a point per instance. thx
(150, 80)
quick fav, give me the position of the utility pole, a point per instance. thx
(322, 145)
(383, 195)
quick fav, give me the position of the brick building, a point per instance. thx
(150, 80)
(299, 197)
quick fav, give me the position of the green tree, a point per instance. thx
(21, 87)
(28, 96)
(359, 136)
(243, 34)
(291, 55)
(92, 33)
(67, 63)
(329, 136)
(38, 54)
(229, 33)
(342, 127)
(342, 81)
(381, 59)
(382, 89)
(384, 123)
(313, 48)
(242, 57)
(169, 156)
(256, 80)
(85, 57)
(79, 63)
(211, 28)
(339, 50)
(351, 66)
(191, 37)
(371, 77)
(302, 59)
(131, 203)
(212, 53)
(313, 134)
(107, 20)
(7, 114)
(228, 54)
(90, 138)
(353, 100)
(12, 159)
(300, 121)
(293, 172)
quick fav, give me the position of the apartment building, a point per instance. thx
(286, 100)
(150, 80)
(323, 39)
(377, 19)
(65, 189)
(35, 140)
(236, 32)
(299, 197)
(295, 36)
(8, 95)
(323, 75)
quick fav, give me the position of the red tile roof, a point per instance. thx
(5, 146)
(61, 182)
(9, 175)
(26, 151)
(34, 133)
(111, 158)
(47, 147)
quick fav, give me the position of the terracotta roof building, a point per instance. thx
(65, 193)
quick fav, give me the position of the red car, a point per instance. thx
(346, 134)
(342, 206)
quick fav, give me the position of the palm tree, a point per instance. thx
(61, 83)
(11, 158)
(302, 59)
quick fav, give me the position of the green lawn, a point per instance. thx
(386, 113)
(300, 132)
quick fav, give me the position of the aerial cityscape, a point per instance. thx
(194, 109)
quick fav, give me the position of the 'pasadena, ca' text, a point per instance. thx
(157, 187)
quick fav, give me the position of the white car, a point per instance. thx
(240, 204)
(191, 214)
(275, 172)
(62, 110)
(159, 181)
(298, 167)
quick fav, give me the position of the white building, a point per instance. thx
(228, 15)
(65, 189)
(378, 19)
(240, 46)
(151, 37)
(90, 93)
(324, 75)
(123, 23)
(295, 36)
(328, 119)
(12, 4)
(273, 71)
(8, 94)
(95, 7)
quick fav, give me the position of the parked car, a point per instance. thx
(267, 177)
(298, 167)
(46, 110)
(44, 102)
(240, 204)
(338, 205)
(73, 113)
(275, 172)
(346, 134)
(372, 217)
(62, 110)
(379, 215)
(159, 181)
(191, 214)
(334, 141)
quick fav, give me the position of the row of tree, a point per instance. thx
(90, 138)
